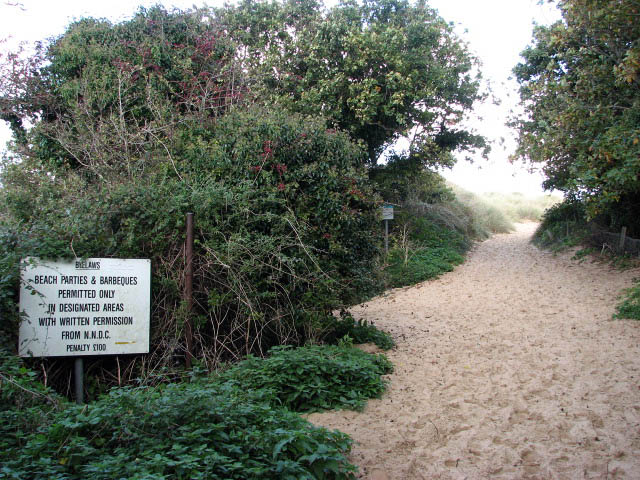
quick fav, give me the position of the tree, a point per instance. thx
(378, 69)
(581, 97)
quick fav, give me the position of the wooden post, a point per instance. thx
(188, 290)
(623, 237)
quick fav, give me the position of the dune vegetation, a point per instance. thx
(429, 238)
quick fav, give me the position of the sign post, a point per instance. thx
(78, 379)
(94, 306)
(387, 214)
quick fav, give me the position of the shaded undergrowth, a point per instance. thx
(346, 329)
(563, 226)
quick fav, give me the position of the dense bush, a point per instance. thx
(136, 124)
(25, 403)
(284, 229)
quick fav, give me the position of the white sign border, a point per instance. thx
(122, 339)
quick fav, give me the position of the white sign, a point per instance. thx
(387, 212)
(95, 306)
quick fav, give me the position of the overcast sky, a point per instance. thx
(496, 30)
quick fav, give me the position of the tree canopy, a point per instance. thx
(112, 96)
(581, 97)
(378, 69)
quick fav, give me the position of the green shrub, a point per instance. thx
(9, 287)
(426, 232)
(315, 378)
(235, 425)
(404, 180)
(20, 385)
(150, 119)
(360, 331)
(284, 231)
(422, 250)
(25, 403)
(424, 264)
(190, 431)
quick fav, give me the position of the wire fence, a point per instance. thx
(615, 242)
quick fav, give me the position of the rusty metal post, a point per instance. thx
(188, 289)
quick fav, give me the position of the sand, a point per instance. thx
(508, 367)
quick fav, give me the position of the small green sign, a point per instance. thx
(387, 212)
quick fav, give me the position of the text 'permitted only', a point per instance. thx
(94, 306)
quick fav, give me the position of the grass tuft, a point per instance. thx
(629, 307)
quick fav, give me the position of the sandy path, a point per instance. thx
(508, 367)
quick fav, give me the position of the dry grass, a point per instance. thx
(518, 207)
(497, 212)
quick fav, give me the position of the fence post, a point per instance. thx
(623, 237)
